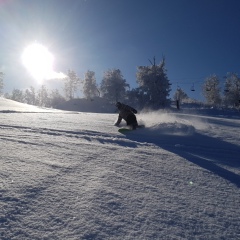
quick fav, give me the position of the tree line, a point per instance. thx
(152, 92)
(227, 95)
(218, 92)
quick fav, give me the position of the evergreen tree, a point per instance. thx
(113, 86)
(154, 84)
(90, 89)
(71, 84)
(211, 90)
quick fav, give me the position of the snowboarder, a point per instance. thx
(128, 114)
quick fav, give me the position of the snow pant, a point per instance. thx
(132, 120)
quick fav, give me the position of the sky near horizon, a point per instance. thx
(197, 38)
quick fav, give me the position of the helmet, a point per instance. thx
(118, 104)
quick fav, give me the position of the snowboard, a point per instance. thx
(124, 130)
(127, 129)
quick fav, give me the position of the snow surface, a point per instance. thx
(72, 175)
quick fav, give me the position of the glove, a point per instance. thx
(134, 111)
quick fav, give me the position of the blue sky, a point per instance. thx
(197, 37)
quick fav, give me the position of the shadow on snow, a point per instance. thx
(207, 152)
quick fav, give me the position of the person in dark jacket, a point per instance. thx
(128, 114)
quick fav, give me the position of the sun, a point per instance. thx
(38, 61)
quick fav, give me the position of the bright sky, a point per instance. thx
(197, 37)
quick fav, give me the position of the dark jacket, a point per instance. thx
(127, 113)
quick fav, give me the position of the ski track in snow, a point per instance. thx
(73, 176)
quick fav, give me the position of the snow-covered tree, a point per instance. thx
(56, 98)
(154, 84)
(30, 96)
(180, 95)
(42, 98)
(90, 89)
(113, 86)
(7, 95)
(1, 82)
(211, 90)
(232, 90)
(71, 84)
(17, 95)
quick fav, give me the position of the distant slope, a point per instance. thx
(96, 105)
(7, 105)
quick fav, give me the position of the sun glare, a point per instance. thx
(38, 61)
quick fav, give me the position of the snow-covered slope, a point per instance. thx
(71, 175)
(10, 106)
